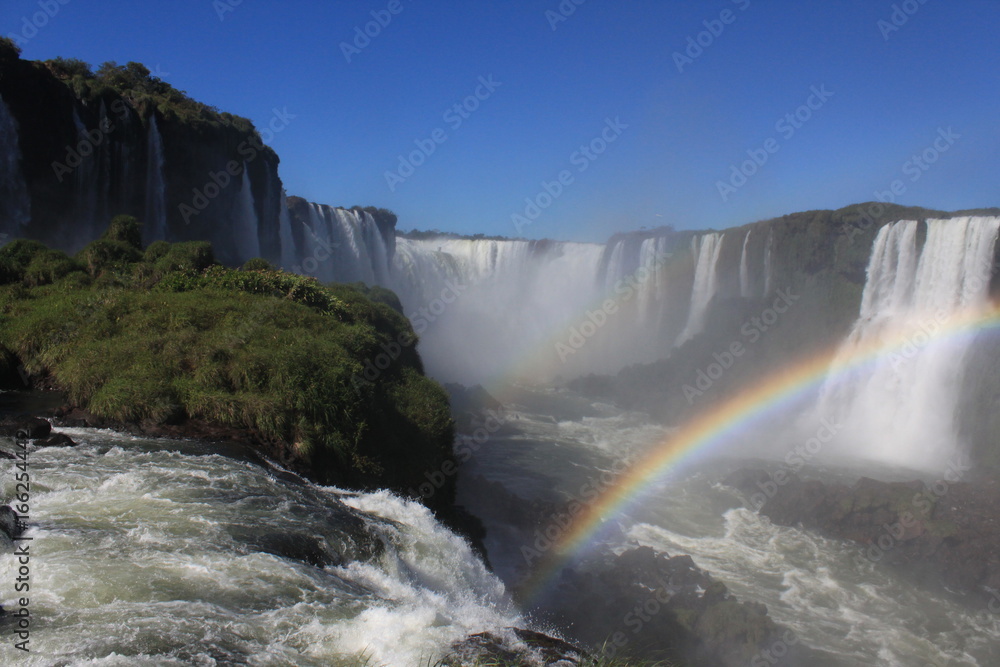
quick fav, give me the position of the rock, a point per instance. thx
(56, 440)
(519, 647)
(35, 427)
(9, 523)
(647, 605)
(944, 536)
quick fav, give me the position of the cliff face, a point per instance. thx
(79, 152)
(785, 289)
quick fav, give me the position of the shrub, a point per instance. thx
(186, 256)
(155, 251)
(126, 229)
(257, 264)
(48, 267)
(106, 255)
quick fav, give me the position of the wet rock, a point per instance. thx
(9, 523)
(56, 440)
(943, 535)
(517, 648)
(645, 604)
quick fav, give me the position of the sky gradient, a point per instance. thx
(888, 91)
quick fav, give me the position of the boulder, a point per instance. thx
(56, 440)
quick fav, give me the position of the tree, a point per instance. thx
(9, 50)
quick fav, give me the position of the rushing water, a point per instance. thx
(154, 552)
(554, 444)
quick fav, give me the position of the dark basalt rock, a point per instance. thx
(943, 535)
(9, 523)
(648, 605)
(35, 427)
(56, 440)
(524, 647)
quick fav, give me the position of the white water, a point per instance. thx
(901, 409)
(558, 444)
(768, 263)
(245, 219)
(706, 282)
(15, 204)
(745, 268)
(156, 200)
(484, 308)
(148, 552)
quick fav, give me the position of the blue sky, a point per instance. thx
(893, 91)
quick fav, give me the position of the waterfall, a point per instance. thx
(768, 263)
(706, 249)
(745, 269)
(15, 204)
(87, 224)
(901, 408)
(246, 241)
(156, 200)
(288, 255)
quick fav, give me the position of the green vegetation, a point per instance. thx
(9, 50)
(165, 335)
(141, 89)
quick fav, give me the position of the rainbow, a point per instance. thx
(718, 425)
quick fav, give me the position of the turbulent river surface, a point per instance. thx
(160, 552)
(553, 444)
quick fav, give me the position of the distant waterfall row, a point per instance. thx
(487, 308)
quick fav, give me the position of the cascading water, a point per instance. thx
(15, 204)
(165, 552)
(288, 259)
(706, 282)
(87, 222)
(745, 268)
(769, 263)
(901, 409)
(245, 224)
(156, 200)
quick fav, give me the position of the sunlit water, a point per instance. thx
(833, 600)
(154, 552)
